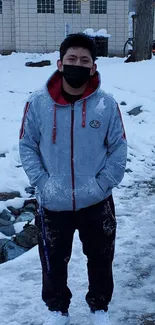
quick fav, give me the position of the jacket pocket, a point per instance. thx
(57, 193)
(87, 191)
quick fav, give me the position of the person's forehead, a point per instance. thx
(78, 51)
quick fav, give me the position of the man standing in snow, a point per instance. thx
(73, 149)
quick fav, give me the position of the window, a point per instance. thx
(98, 6)
(45, 6)
(72, 6)
(0, 6)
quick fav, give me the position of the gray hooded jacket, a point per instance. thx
(74, 154)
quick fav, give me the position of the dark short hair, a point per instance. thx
(78, 40)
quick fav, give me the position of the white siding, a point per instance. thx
(23, 29)
(34, 32)
(7, 27)
(45, 32)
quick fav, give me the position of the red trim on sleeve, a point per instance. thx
(23, 120)
(124, 134)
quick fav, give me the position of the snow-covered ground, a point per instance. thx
(134, 266)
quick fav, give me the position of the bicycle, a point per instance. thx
(129, 46)
(127, 50)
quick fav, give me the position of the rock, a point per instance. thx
(30, 205)
(2, 155)
(4, 196)
(14, 211)
(28, 237)
(30, 190)
(2, 243)
(25, 216)
(5, 222)
(38, 64)
(128, 170)
(5, 215)
(2, 260)
(7, 230)
(29, 208)
(123, 103)
(11, 250)
(135, 111)
(31, 201)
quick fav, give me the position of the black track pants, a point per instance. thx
(97, 227)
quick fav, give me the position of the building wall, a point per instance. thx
(44, 32)
(117, 25)
(34, 32)
(7, 27)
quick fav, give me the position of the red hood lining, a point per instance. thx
(54, 86)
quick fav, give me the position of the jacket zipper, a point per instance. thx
(72, 156)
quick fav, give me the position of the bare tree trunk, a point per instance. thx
(143, 40)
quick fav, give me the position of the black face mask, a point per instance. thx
(75, 76)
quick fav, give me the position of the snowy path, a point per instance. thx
(134, 272)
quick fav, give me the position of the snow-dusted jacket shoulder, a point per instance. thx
(73, 154)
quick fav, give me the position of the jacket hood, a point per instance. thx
(54, 86)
